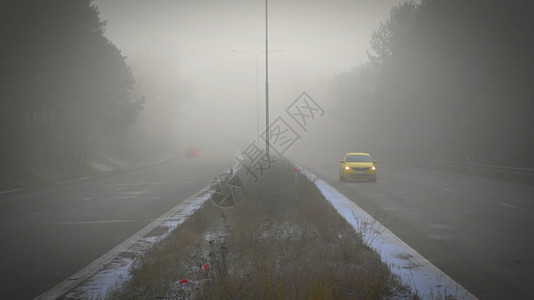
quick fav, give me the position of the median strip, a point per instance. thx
(281, 240)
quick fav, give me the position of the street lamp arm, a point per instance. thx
(256, 53)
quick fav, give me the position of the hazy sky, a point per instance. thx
(314, 40)
(336, 31)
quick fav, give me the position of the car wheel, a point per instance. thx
(341, 177)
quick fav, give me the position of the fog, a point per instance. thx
(201, 64)
(435, 80)
(420, 83)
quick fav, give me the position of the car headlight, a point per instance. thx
(347, 168)
(373, 168)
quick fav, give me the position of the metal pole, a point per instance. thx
(257, 105)
(266, 84)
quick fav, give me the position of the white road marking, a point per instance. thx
(9, 191)
(447, 190)
(100, 222)
(85, 199)
(507, 205)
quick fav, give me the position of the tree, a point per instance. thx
(390, 37)
(455, 80)
(64, 86)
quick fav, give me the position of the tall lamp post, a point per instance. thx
(266, 84)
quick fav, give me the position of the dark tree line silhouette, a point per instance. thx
(64, 87)
(452, 80)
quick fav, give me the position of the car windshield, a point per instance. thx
(358, 158)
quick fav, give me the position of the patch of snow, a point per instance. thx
(104, 281)
(215, 237)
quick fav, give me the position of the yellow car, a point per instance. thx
(357, 165)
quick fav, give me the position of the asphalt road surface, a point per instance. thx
(48, 234)
(477, 230)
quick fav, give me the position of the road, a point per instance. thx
(478, 231)
(48, 234)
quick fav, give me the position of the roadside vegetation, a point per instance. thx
(70, 105)
(282, 241)
(441, 78)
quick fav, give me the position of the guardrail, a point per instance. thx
(525, 175)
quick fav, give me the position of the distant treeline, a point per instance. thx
(450, 80)
(64, 87)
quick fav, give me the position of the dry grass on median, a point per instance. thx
(282, 241)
